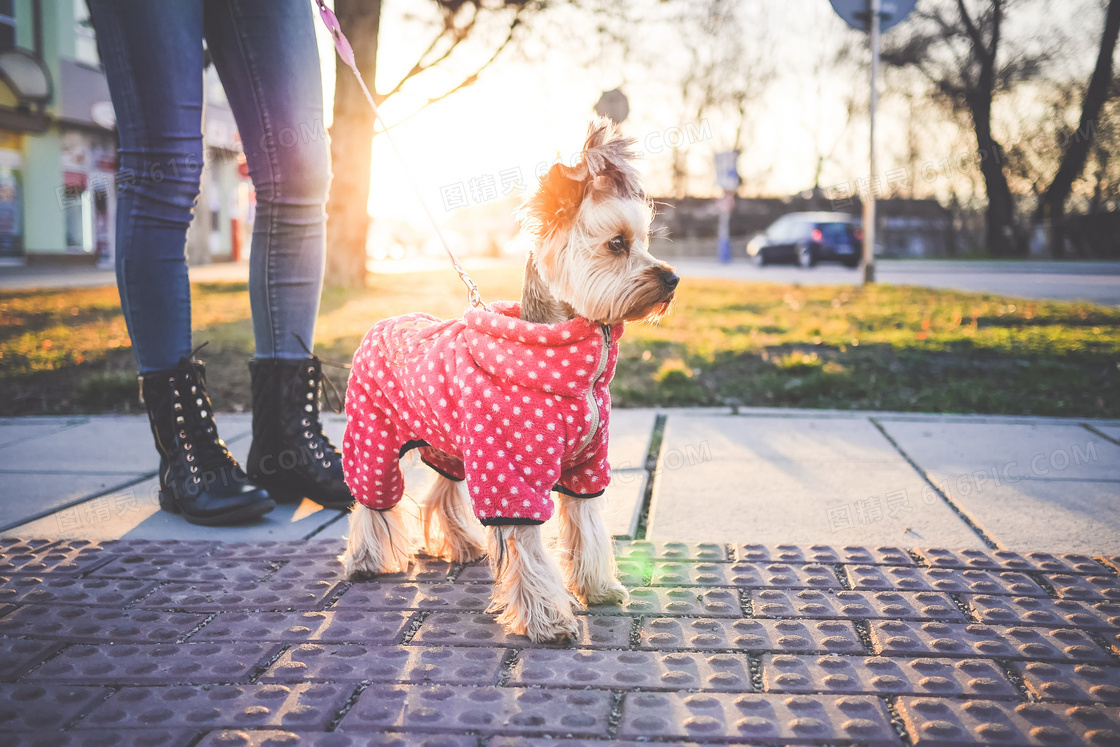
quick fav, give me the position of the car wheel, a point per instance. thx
(760, 258)
(806, 257)
(851, 263)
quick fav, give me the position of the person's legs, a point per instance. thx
(153, 59)
(266, 55)
(268, 60)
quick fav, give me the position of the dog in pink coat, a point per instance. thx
(513, 401)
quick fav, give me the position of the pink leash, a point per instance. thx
(346, 53)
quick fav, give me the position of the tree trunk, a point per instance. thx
(1000, 234)
(1052, 209)
(352, 147)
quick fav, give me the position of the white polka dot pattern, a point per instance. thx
(505, 403)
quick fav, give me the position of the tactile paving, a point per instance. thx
(410, 596)
(647, 670)
(278, 738)
(898, 638)
(879, 675)
(416, 664)
(308, 706)
(281, 549)
(173, 568)
(87, 592)
(453, 629)
(19, 655)
(506, 710)
(206, 596)
(630, 573)
(16, 545)
(330, 626)
(704, 552)
(788, 719)
(809, 636)
(782, 576)
(1044, 612)
(1041, 562)
(937, 721)
(330, 568)
(950, 580)
(149, 548)
(97, 624)
(105, 738)
(890, 605)
(26, 558)
(1071, 682)
(824, 554)
(155, 663)
(689, 602)
(41, 707)
(1089, 588)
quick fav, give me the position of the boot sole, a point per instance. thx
(241, 515)
(287, 495)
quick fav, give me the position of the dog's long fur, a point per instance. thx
(590, 225)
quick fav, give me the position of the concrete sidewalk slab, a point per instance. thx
(1035, 487)
(776, 480)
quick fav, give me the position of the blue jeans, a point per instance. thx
(266, 56)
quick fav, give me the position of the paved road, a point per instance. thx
(1098, 282)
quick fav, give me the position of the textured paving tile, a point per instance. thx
(308, 706)
(97, 625)
(782, 576)
(825, 636)
(106, 738)
(278, 738)
(689, 602)
(149, 548)
(765, 718)
(17, 656)
(87, 592)
(415, 664)
(1071, 682)
(330, 626)
(1006, 560)
(707, 552)
(1092, 588)
(489, 709)
(1045, 612)
(20, 546)
(453, 629)
(409, 596)
(934, 721)
(647, 670)
(217, 597)
(53, 558)
(329, 568)
(943, 579)
(155, 664)
(172, 568)
(889, 605)
(36, 707)
(825, 554)
(878, 675)
(281, 549)
(896, 638)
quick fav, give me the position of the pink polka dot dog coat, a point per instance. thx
(518, 409)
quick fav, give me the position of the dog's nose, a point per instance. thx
(670, 279)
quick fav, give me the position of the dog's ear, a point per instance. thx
(555, 203)
(608, 158)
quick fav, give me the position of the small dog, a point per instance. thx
(514, 399)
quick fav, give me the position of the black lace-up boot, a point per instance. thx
(198, 477)
(290, 455)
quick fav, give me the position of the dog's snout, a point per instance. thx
(670, 279)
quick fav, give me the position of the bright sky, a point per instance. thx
(522, 113)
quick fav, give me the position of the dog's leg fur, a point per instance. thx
(528, 587)
(378, 542)
(586, 554)
(449, 529)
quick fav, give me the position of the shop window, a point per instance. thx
(7, 24)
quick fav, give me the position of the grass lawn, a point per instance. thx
(882, 348)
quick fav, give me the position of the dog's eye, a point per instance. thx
(619, 244)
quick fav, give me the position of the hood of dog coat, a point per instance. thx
(566, 358)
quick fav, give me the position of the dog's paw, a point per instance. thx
(546, 622)
(614, 593)
(562, 628)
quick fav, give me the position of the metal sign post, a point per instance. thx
(875, 16)
(869, 202)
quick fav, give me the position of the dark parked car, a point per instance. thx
(809, 238)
